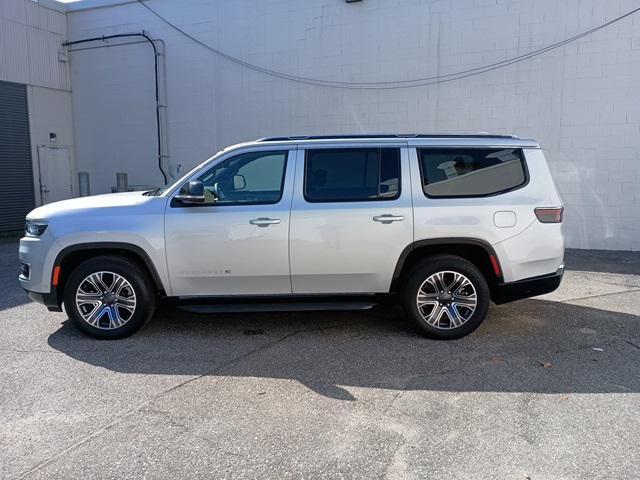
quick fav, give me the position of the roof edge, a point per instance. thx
(91, 4)
(387, 135)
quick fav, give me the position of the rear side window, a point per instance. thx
(352, 174)
(470, 172)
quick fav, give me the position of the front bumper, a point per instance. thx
(39, 253)
(529, 287)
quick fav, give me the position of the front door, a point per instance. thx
(56, 182)
(351, 218)
(236, 243)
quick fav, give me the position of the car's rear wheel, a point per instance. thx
(109, 297)
(446, 297)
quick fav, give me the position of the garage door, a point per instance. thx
(16, 174)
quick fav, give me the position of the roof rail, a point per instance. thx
(384, 135)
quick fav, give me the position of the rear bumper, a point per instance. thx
(49, 300)
(529, 287)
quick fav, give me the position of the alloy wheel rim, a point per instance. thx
(446, 300)
(105, 300)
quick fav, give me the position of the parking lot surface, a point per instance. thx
(545, 388)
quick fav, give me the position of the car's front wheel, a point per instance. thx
(446, 297)
(109, 297)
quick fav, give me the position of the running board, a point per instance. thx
(276, 307)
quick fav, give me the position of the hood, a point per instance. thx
(84, 204)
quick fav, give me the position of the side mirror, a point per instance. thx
(239, 182)
(192, 192)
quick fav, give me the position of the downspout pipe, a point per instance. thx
(144, 35)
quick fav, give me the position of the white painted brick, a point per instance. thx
(632, 212)
(580, 101)
(620, 199)
(608, 188)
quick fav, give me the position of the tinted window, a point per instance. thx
(470, 172)
(352, 174)
(249, 178)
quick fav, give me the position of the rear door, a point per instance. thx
(351, 218)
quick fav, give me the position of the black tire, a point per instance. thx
(441, 263)
(139, 280)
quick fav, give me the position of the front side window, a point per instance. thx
(470, 172)
(246, 179)
(352, 174)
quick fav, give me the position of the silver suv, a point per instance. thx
(448, 223)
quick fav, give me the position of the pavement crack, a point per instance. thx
(132, 411)
(600, 295)
(633, 344)
(170, 419)
(392, 458)
(401, 392)
(20, 350)
(218, 447)
(612, 340)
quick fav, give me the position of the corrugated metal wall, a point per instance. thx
(30, 38)
(16, 171)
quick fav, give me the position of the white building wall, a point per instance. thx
(580, 101)
(31, 36)
(114, 112)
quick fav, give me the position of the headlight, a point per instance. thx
(34, 229)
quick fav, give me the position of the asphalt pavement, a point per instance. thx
(546, 388)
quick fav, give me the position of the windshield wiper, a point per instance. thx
(153, 193)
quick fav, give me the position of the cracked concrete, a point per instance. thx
(333, 394)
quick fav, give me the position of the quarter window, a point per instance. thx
(246, 179)
(352, 174)
(470, 172)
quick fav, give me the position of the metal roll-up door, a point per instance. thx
(16, 172)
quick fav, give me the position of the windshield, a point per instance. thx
(160, 190)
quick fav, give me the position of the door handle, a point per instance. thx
(388, 218)
(264, 222)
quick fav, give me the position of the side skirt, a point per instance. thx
(285, 303)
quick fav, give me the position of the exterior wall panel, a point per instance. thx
(14, 61)
(31, 36)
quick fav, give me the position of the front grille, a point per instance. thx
(25, 271)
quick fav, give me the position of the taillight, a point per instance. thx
(549, 214)
(495, 264)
